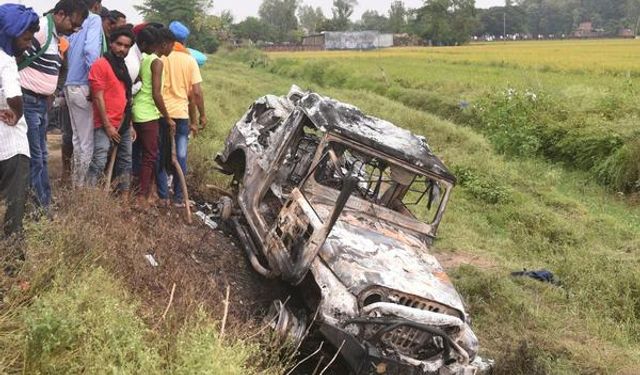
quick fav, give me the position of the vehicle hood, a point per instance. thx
(363, 252)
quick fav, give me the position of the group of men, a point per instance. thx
(124, 90)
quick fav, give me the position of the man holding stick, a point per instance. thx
(182, 93)
(111, 91)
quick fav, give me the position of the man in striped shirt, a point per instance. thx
(39, 70)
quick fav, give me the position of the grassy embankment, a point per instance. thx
(574, 102)
(87, 301)
(508, 213)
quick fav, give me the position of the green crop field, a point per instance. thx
(573, 102)
(549, 206)
(579, 56)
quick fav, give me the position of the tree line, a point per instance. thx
(558, 17)
(438, 22)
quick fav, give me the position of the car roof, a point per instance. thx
(331, 115)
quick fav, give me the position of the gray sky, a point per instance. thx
(243, 8)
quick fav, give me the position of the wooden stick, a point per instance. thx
(306, 333)
(332, 359)
(183, 182)
(173, 290)
(226, 312)
(110, 166)
(315, 370)
(219, 190)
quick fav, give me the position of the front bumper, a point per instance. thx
(368, 356)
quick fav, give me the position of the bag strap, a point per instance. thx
(104, 48)
(25, 63)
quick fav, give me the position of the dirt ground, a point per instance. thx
(201, 262)
(452, 260)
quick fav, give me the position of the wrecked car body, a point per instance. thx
(327, 199)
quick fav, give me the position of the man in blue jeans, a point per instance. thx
(111, 90)
(39, 71)
(183, 98)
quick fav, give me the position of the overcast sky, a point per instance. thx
(243, 8)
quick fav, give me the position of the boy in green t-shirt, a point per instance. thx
(148, 105)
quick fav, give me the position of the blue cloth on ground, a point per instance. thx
(541, 275)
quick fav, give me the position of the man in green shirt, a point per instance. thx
(148, 104)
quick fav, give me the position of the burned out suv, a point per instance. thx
(328, 199)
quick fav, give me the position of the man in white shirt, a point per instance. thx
(17, 27)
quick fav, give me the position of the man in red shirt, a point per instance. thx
(111, 94)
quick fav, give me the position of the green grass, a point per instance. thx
(511, 214)
(91, 325)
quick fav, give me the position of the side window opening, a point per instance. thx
(299, 157)
(423, 197)
(292, 170)
(380, 182)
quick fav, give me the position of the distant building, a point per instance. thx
(626, 33)
(348, 40)
(586, 30)
(407, 40)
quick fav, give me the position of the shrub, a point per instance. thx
(514, 120)
(88, 326)
(252, 56)
(199, 350)
(487, 190)
(621, 169)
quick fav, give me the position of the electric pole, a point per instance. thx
(504, 25)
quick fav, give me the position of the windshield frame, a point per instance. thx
(309, 186)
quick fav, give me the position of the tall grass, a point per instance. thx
(610, 57)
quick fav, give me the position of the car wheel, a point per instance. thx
(287, 325)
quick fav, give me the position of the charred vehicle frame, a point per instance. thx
(326, 198)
